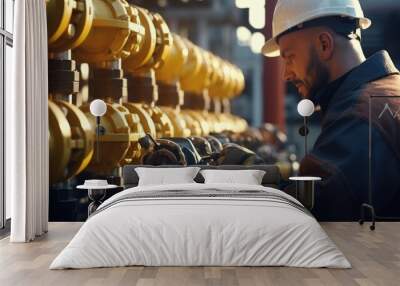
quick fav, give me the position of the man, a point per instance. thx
(319, 42)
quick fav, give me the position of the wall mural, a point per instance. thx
(167, 99)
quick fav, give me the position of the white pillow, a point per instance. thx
(248, 177)
(163, 176)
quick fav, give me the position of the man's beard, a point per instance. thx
(317, 75)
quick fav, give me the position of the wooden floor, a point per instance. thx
(375, 257)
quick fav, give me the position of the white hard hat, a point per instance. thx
(291, 13)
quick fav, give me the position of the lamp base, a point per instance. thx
(373, 217)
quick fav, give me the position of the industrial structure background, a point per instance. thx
(186, 73)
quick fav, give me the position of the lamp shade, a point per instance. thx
(98, 107)
(305, 107)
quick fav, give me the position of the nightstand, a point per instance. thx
(305, 187)
(96, 193)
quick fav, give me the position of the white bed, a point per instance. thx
(184, 230)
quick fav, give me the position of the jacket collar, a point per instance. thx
(375, 67)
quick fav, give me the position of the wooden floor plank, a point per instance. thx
(375, 258)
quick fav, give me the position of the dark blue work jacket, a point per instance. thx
(341, 153)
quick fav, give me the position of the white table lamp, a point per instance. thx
(98, 108)
(305, 108)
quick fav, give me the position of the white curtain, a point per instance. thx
(27, 150)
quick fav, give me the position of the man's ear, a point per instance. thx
(325, 45)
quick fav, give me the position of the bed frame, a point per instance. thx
(271, 178)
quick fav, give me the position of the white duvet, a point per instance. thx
(200, 231)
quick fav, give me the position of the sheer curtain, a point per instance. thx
(27, 150)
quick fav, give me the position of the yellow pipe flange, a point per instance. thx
(191, 69)
(201, 118)
(241, 84)
(171, 70)
(151, 58)
(226, 87)
(114, 145)
(135, 132)
(145, 118)
(192, 124)
(215, 73)
(205, 75)
(230, 80)
(68, 23)
(199, 81)
(236, 78)
(111, 31)
(217, 80)
(238, 124)
(216, 122)
(163, 43)
(227, 125)
(136, 60)
(163, 124)
(59, 14)
(137, 34)
(237, 81)
(59, 143)
(222, 122)
(82, 137)
(178, 122)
